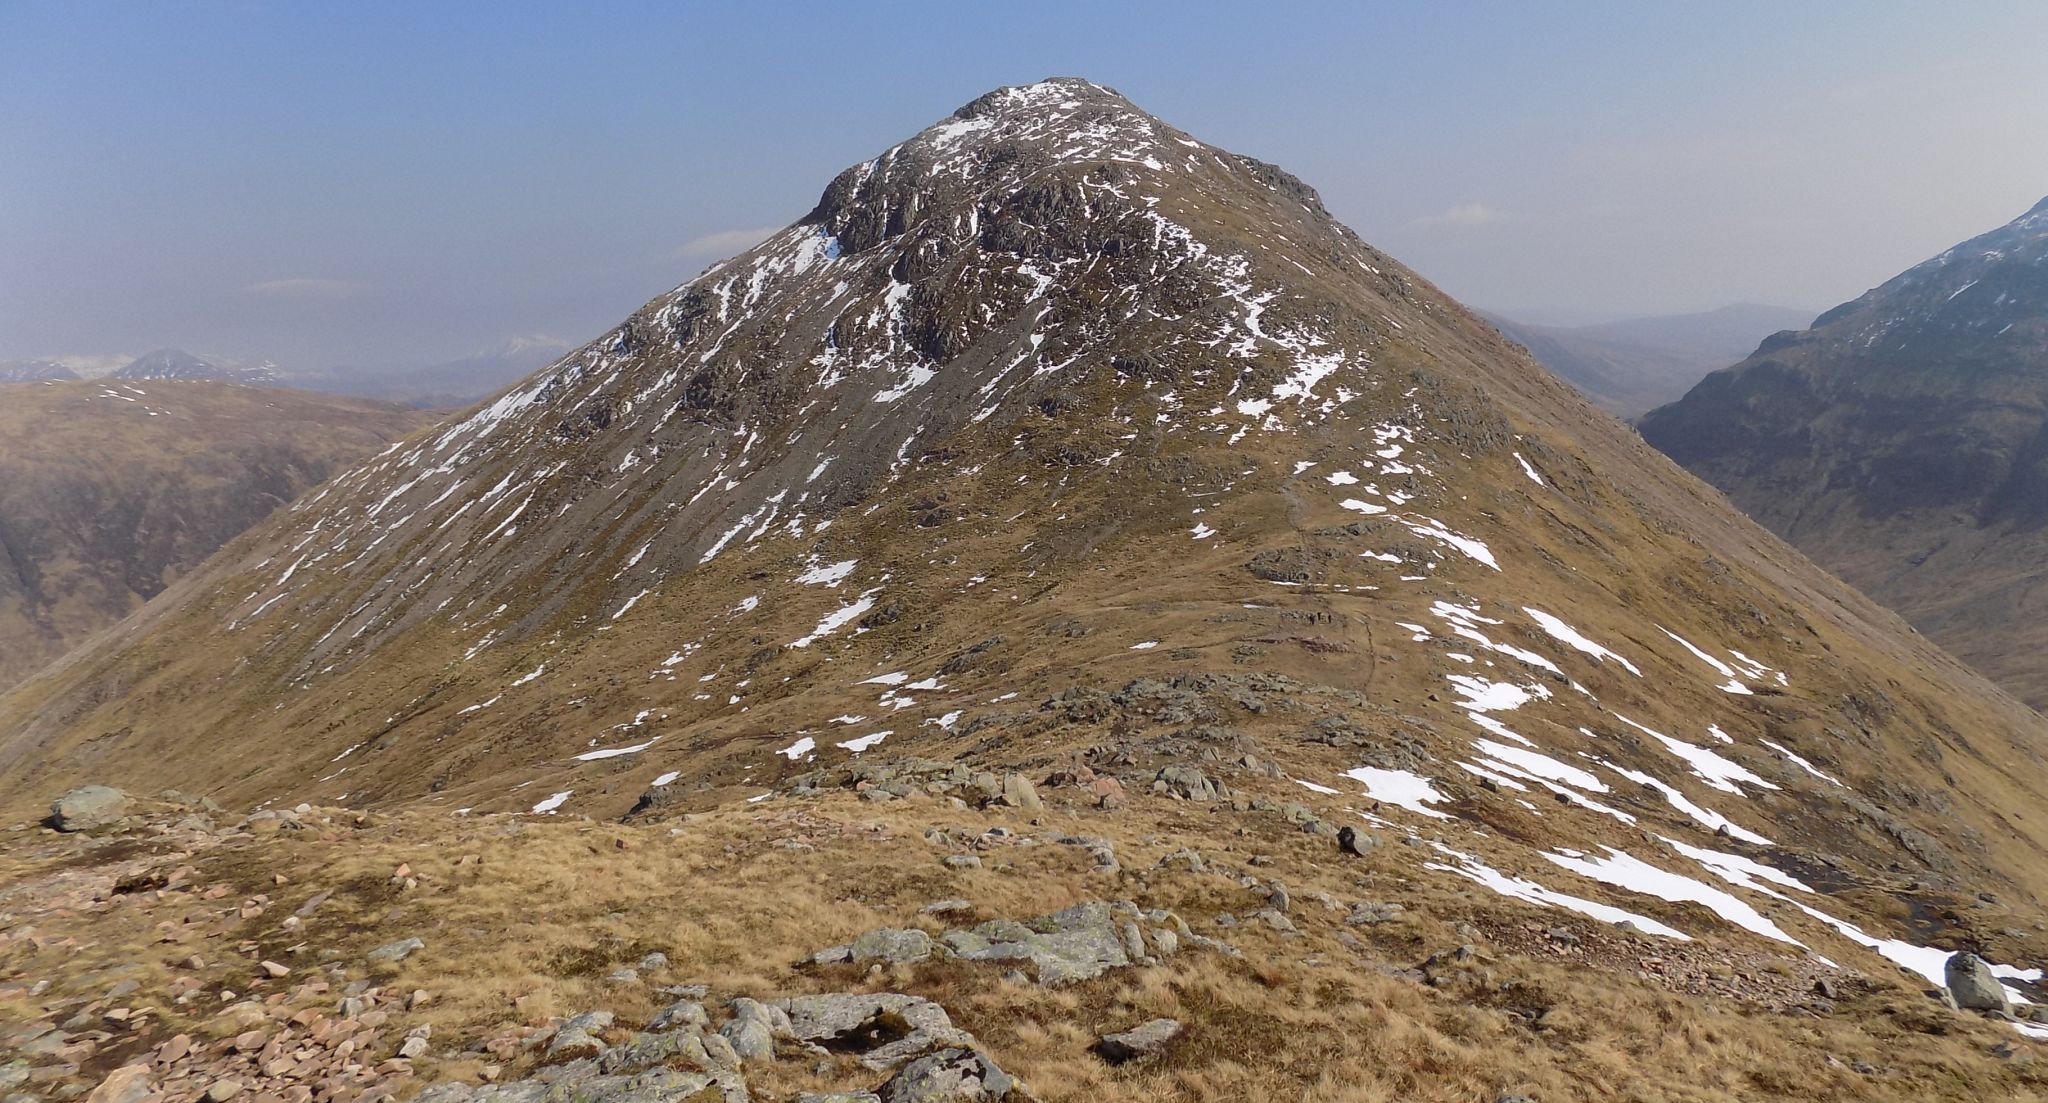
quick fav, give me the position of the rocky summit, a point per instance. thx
(1900, 442)
(1064, 619)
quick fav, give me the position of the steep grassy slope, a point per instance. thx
(1902, 442)
(1057, 443)
(109, 492)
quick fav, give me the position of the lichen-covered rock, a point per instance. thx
(579, 1036)
(885, 1028)
(643, 1051)
(1018, 792)
(1133, 939)
(754, 1028)
(1188, 783)
(681, 1015)
(892, 944)
(750, 1041)
(769, 1015)
(1076, 943)
(652, 1086)
(952, 1074)
(391, 953)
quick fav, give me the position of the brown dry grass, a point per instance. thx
(530, 927)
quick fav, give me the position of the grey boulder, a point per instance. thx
(88, 807)
(579, 1037)
(885, 1028)
(1078, 943)
(951, 1074)
(1018, 792)
(681, 1015)
(754, 1028)
(1139, 1041)
(1973, 985)
(1353, 841)
(894, 944)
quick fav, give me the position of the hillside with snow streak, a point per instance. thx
(1898, 441)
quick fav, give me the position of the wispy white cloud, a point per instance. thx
(722, 244)
(303, 288)
(1468, 215)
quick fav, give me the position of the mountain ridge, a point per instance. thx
(34, 371)
(166, 364)
(1898, 442)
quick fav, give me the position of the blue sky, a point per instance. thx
(403, 182)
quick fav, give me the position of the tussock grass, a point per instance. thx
(524, 918)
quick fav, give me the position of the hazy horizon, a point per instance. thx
(385, 185)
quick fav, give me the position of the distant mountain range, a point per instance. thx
(1631, 366)
(1902, 442)
(166, 364)
(1626, 367)
(33, 371)
(161, 364)
(448, 385)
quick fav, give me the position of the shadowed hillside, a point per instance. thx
(112, 490)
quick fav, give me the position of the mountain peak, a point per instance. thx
(1054, 436)
(1015, 131)
(1050, 92)
(2036, 215)
(173, 363)
(1045, 151)
(1070, 118)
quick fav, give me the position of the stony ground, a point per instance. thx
(998, 937)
